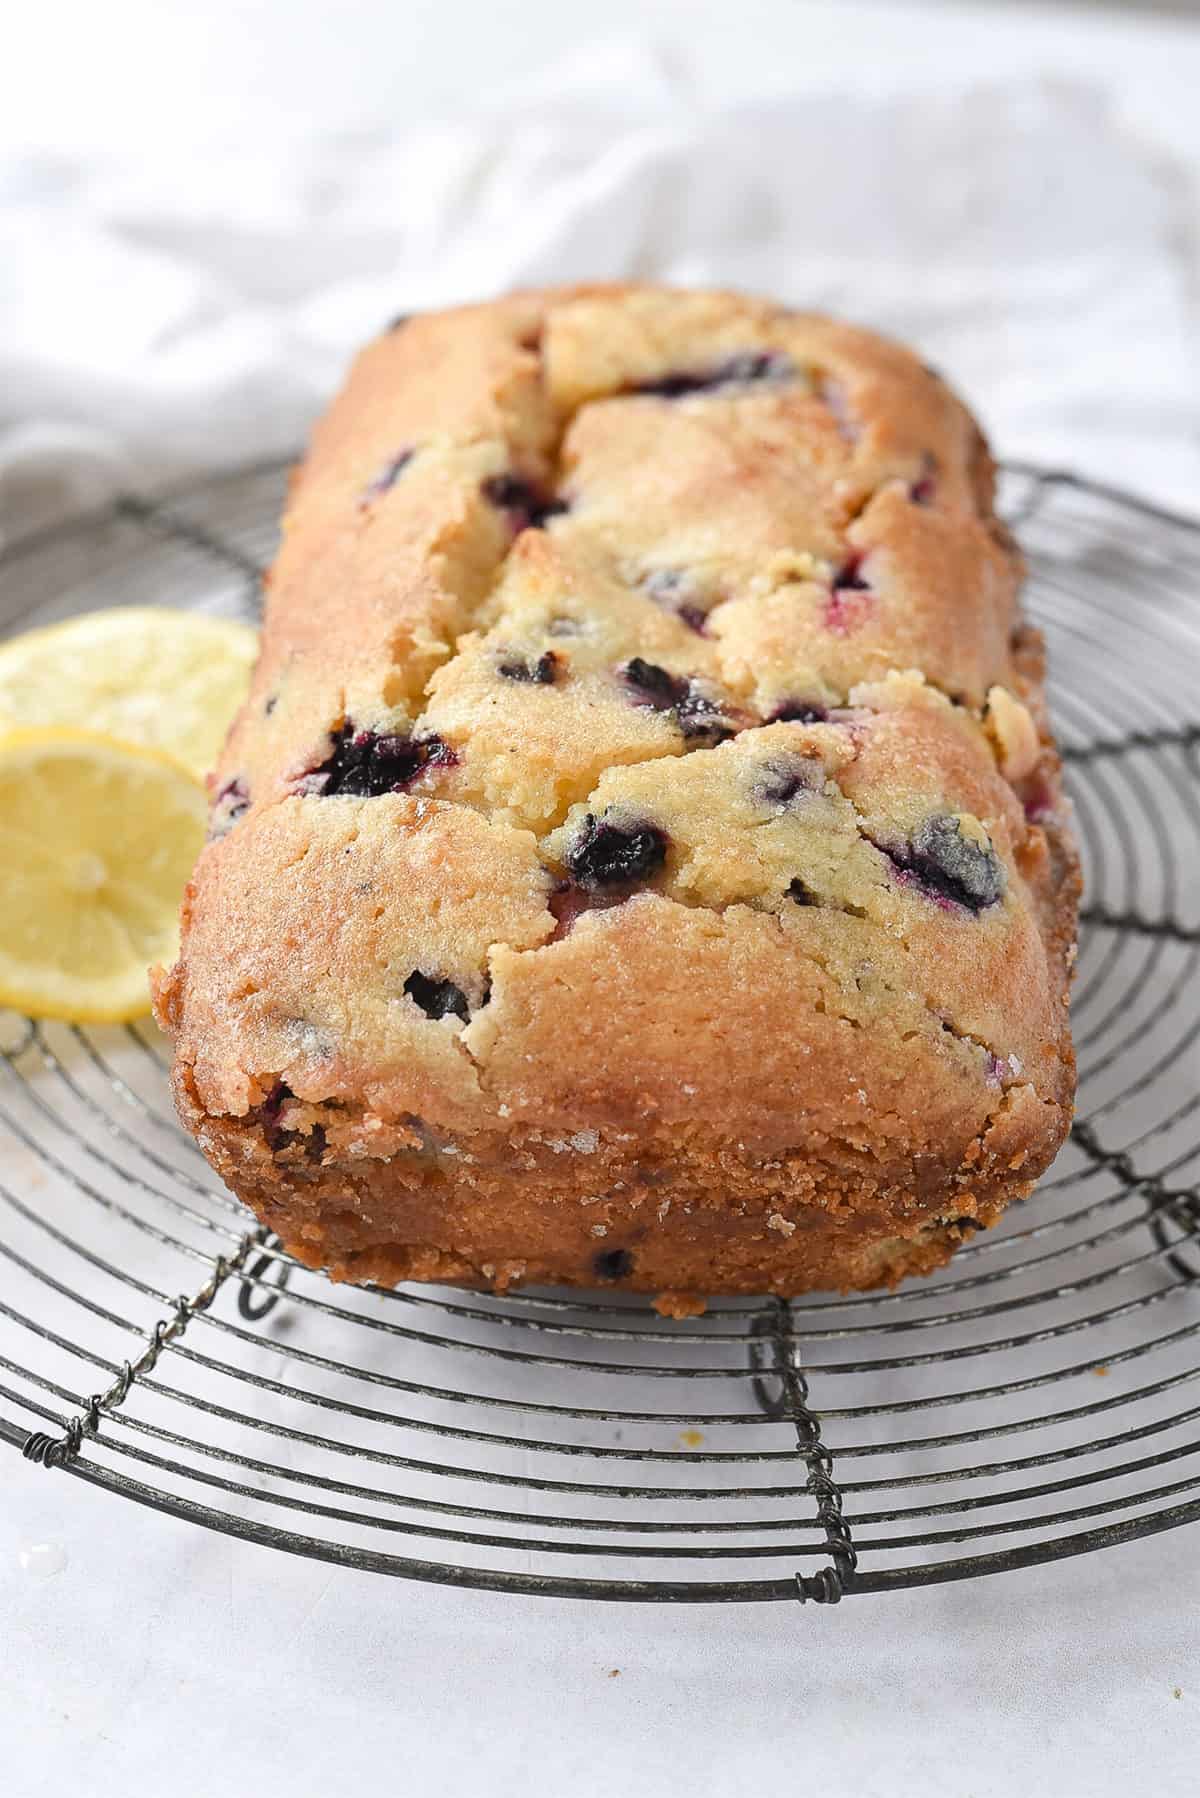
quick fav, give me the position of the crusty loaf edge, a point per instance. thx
(666, 1206)
(676, 1211)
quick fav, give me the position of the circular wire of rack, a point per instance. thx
(1038, 1398)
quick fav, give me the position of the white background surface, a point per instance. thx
(199, 223)
(163, 1657)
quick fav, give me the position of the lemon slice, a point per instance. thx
(168, 680)
(97, 840)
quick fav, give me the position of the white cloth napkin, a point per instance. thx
(163, 315)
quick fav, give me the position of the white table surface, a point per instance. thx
(161, 1657)
(144, 71)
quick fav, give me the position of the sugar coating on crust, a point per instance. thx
(649, 801)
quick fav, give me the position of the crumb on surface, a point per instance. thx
(680, 1304)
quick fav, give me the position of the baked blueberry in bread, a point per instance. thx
(641, 858)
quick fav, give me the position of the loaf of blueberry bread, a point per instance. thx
(641, 859)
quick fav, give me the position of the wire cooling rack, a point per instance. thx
(1037, 1399)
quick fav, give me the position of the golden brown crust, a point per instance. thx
(565, 558)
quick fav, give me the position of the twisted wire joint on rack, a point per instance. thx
(46, 1450)
(829, 1584)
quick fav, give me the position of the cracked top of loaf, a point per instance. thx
(645, 734)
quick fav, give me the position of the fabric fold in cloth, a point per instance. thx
(165, 316)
